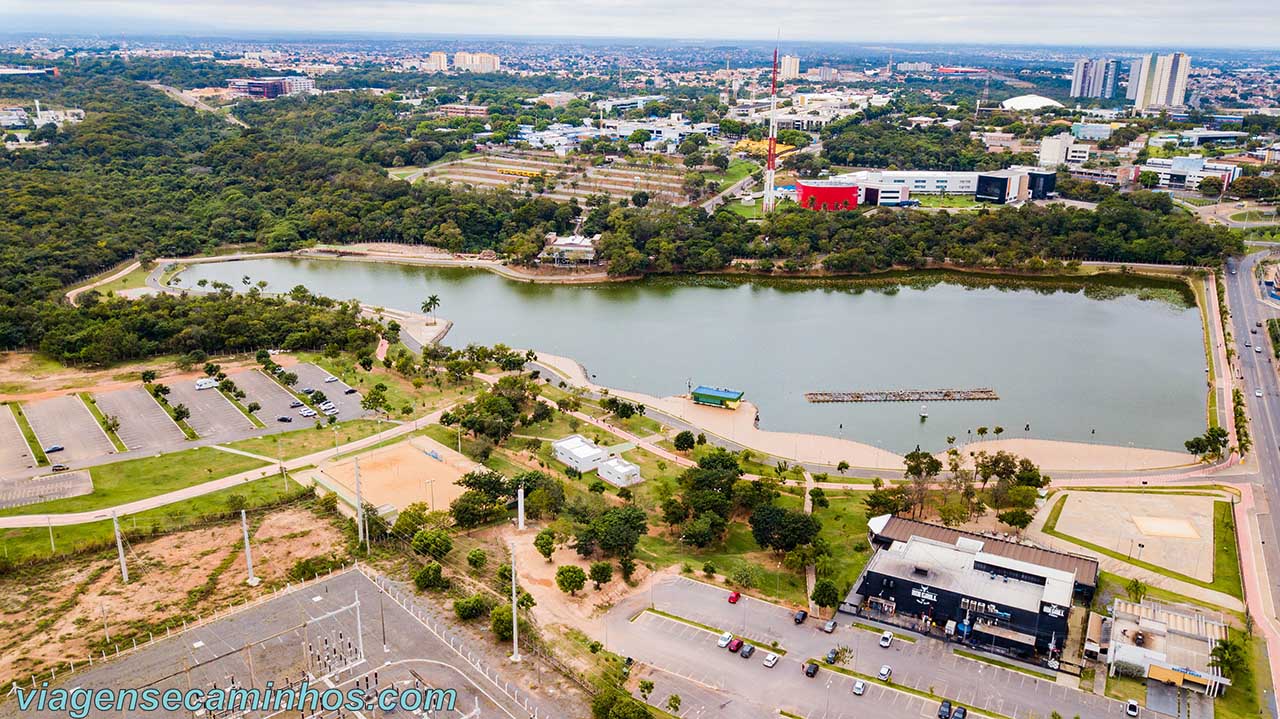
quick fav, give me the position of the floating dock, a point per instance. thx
(906, 395)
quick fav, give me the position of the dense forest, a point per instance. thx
(886, 144)
(145, 177)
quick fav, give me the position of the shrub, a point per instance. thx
(431, 577)
(470, 608)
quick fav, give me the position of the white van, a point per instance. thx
(206, 383)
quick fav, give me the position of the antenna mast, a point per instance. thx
(772, 158)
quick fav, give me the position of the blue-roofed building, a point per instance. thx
(716, 396)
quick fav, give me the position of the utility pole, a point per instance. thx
(53, 549)
(359, 507)
(519, 506)
(124, 568)
(515, 610)
(248, 557)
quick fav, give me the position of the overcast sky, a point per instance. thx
(1136, 23)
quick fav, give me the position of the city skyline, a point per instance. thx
(1087, 24)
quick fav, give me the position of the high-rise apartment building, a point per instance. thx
(788, 67)
(1094, 78)
(436, 62)
(476, 62)
(1159, 80)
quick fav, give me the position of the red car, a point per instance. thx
(735, 645)
(734, 597)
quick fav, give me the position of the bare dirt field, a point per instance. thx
(55, 613)
(564, 179)
(27, 376)
(415, 470)
(1172, 531)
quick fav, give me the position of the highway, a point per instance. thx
(1256, 371)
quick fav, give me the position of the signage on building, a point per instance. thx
(1054, 610)
(924, 594)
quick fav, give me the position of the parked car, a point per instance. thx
(959, 713)
(1257, 348)
(1131, 708)
(734, 597)
(349, 390)
(735, 645)
(295, 404)
(811, 670)
(830, 626)
(724, 640)
(886, 671)
(944, 709)
(1257, 393)
(330, 378)
(886, 638)
(307, 412)
(770, 660)
(307, 390)
(284, 418)
(1257, 324)
(859, 687)
(800, 616)
(747, 651)
(60, 467)
(53, 448)
(331, 411)
(831, 656)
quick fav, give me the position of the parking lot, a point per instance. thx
(21, 492)
(67, 422)
(924, 665)
(268, 393)
(143, 423)
(212, 415)
(15, 455)
(312, 376)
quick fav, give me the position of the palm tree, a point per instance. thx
(982, 431)
(430, 305)
(998, 431)
(1228, 656)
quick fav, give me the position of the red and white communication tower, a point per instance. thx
(772, 158)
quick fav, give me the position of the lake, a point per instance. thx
(1111, 361)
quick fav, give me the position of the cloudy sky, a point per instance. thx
(1191, 23)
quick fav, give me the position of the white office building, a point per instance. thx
(788, 67)
(628, 103)
(619, 472)
(1062, 149)
(927, 182)
(1187, 172)
(578, 452)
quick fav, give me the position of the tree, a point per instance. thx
(545, 543)
(825, 594)
(148, 376)
(684, 441)
(619, 529)
(1228, 655)
(500, 622)
(673, 703)
(646, 688)
(1017, 518)
(431, 577)
(433, 543)
(819, 498)
(253, 407)
(1148, 179)
(477, 558)
(180, 411)
(430, 305)
(473, 508)
(842, 466)
(1211, 186)
(470, 608)
(601, 572)
(570, 578)
(1136, 589)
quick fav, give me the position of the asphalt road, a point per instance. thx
(66, 421)
(927, 665)
(143, 422)
(1258, 372)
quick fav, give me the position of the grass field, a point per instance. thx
(302, 442)
(401, 392)
(122, 482)
(1246, 698)
(844, 527)
(737, 170)
(1253, 216)
(1211, 409)
(951, 201)
(33, 543)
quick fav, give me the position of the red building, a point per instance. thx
(827, 195)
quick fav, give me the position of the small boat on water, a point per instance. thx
(924, 412)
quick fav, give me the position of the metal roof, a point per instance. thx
(899, 529)
(719, 392)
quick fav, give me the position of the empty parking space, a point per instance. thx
(314, 377)
(212, 415)
(15, 455)
(143, 423)
(268, 393)
(66, 422)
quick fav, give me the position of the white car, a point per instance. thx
(1131, 708)
(885, 672)
(724, 640)
(327, 405)
(859, 687)
(330, 412)
(770, 660)
(307, 412)
(1257, 393)
(886, 638)
(1257, 348)
(330, 378)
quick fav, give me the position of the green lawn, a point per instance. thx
(135, 479)
(951, 201)
(1211, 411)
(1253, 216)
(1226, 565)
(1125, 688)
(33, 543)
(737, 170)
(302, 442)
(751, 212)
(844, 527)
(1246, 697)
(400, 391)
(738, 548)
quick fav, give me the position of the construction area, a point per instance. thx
(560, 179)
(418, 469)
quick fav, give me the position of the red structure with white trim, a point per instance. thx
(826, 195)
